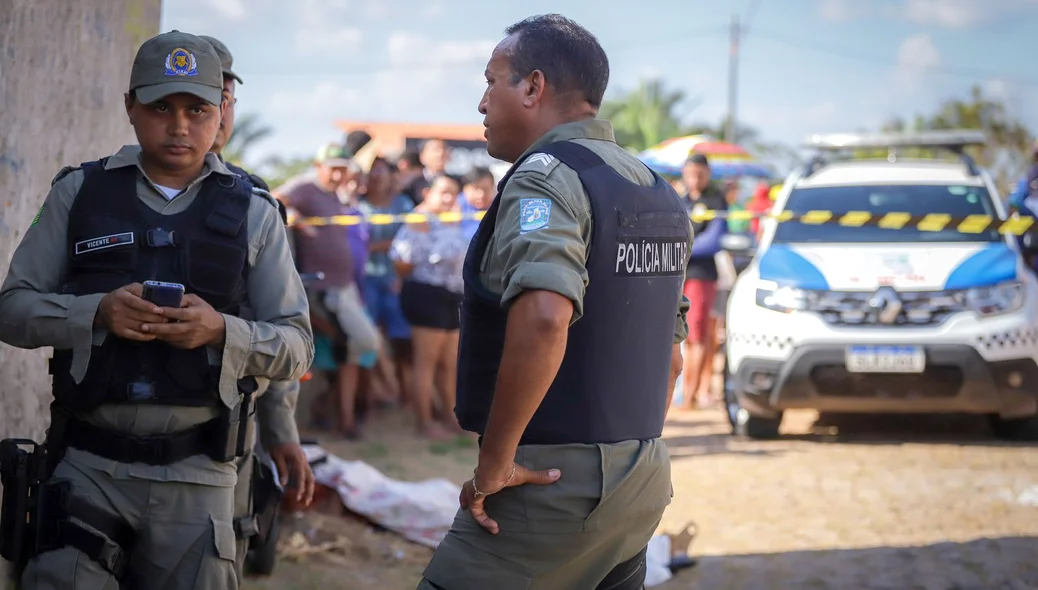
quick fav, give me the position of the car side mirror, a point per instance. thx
(738, 244)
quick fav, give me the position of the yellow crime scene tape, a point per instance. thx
(934, 222)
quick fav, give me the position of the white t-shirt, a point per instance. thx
(169, 192)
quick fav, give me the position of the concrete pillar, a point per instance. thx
(64, 66)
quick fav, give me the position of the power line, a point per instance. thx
(467, 63)
(960, 72)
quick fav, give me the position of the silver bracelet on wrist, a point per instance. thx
(480, 494)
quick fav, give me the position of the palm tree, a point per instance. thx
(646, 116)
(248, 130)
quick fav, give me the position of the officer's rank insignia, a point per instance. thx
(180, 62)
(534, 214)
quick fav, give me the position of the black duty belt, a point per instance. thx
(160, 449)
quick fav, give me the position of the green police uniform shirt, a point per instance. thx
(278, 345)
(543, 227)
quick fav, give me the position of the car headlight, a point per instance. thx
(996, 299)
(783, 299)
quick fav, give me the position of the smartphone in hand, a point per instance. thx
(163, 294)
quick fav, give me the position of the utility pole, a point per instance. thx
(733, 79)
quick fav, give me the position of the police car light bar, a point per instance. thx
(952, 139)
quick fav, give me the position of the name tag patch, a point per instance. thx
(651, 257)
(104, 242)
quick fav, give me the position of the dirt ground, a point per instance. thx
(928, 503)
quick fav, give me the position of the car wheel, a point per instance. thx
(744, 424)
(1022, 429)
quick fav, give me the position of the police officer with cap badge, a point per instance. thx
(570, 327)
(154, 389)
(275, 408)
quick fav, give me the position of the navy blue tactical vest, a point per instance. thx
(612, 385)
(114, 240)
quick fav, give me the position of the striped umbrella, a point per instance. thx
(726, 159)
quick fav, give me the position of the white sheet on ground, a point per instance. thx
(422, 511)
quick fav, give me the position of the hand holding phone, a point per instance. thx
(163, 294)
(124, 312)
(192, 324)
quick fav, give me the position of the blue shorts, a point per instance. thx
(384, 307)
(324, 354)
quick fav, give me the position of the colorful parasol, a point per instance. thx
(726, 159)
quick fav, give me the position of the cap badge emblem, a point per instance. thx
(180, 62)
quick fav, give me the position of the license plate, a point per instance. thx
(886, 359)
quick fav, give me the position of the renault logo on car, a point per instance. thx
(886, 305)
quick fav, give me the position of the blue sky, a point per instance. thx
(806, 66)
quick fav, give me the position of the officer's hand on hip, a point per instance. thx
(293, 467)
(194, 324)
(125, 314)
(488, 482)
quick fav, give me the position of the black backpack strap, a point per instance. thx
(574, 155)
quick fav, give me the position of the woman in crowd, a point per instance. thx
(429, 258)
(382, 287)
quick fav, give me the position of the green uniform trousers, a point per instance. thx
(185, 535)
(568, 535)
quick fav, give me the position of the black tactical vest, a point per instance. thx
(612, 385)
(114, 240)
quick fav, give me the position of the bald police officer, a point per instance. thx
(275, 407)
(152, 401)
(571, 319)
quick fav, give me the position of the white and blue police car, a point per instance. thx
(889, 318)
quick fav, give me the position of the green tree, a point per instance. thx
(1007, 151)
(248, 131)
(745, 135)
(647, 115)
(277, 170)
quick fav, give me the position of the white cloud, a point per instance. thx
(960, 14)
(321, 29)
(916, 55)
(950, 14)
(841, 10)
(230, 9)
(954, 14)
(422, 76)
(999, 90)
(381, 10)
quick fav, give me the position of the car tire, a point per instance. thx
(744, 424)
(1021, 429)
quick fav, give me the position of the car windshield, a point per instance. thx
(917, 200)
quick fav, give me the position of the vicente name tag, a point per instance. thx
(104, 242)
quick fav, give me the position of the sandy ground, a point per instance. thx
(899, 503)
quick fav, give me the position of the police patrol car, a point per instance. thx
(863, 317)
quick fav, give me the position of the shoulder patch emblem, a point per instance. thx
(534, 214)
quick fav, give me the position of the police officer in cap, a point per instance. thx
(152, 400)
(571, 321)
(275, 408)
